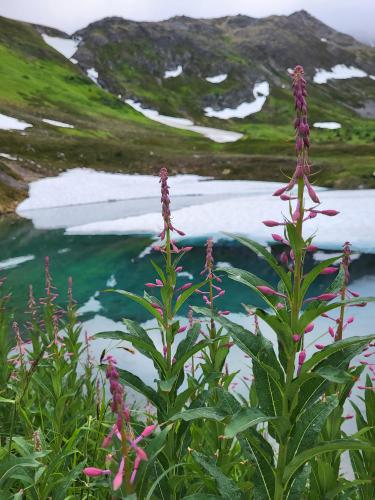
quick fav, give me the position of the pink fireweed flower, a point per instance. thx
(266, 290)
(94, 472)
(309, 328)
(329, 213)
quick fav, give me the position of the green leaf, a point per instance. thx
(245, 418)
(206, 412)
(251, 281)
(306, 430)
(270, 259)
(167, 385)
(185, 295)
(187, 347)
(141, 301)
(269, 391)
(298, 483)
(146, 347)
(325, 447)
(226, 486)
(314, 273)
(5, 400)
(136, 383)
(337, 351)
(334, 374)
(264, 474)
(256, 346)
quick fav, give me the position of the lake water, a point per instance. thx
(90, 243)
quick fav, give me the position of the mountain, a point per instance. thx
(132, 57)
(84, 96)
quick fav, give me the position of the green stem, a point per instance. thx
(295, 313)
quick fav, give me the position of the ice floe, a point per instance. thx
(174, 72)
(93, 75)
(57, 124)
(10, 123)
(92, 305)
(244, 215)
(66, 46)
(338, 72)
(215, 134)
(217, 78)
(79, 186)
(111, 281)
(329, 125)
(15, 261)
(261, 91)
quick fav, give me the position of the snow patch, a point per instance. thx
(260, 91)
(185, 274)
(372, 77)
(174, 72)
(93, 75)
(66, 46)
(15, 261)
(216, 135)
(10, 123)
(338, 72)
(56, 123)
(324, 40)
(8, 157)
(217, 78)
(329, 125)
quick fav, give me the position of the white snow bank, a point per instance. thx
(244, 215)
(10, 123)
(372, 77)
(323, 40)
(8, 157)
(217, 78)
(93, 75)
(338, 72)
(66, 46)
(79, 186)
(15, 261)
(57, 124)
(260, 91)
(174, 72)
(215, 134)
(330, 125)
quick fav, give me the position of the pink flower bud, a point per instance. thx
(348, 417)
(181, 329)
(330, 213)
(272, 223)
(311, 248)
(331, 332)
(329, 270)
(296, 338)
(184, 287)
(350, 320)
(94, 472)
(117, 482)
(320, 346)
(277, 237)
(301, 357)
(179, 269)
(148, 430)
(309, 328)
(266, 290)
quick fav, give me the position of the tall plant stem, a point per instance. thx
(295, 313)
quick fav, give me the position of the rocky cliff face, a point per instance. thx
(132, 57)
